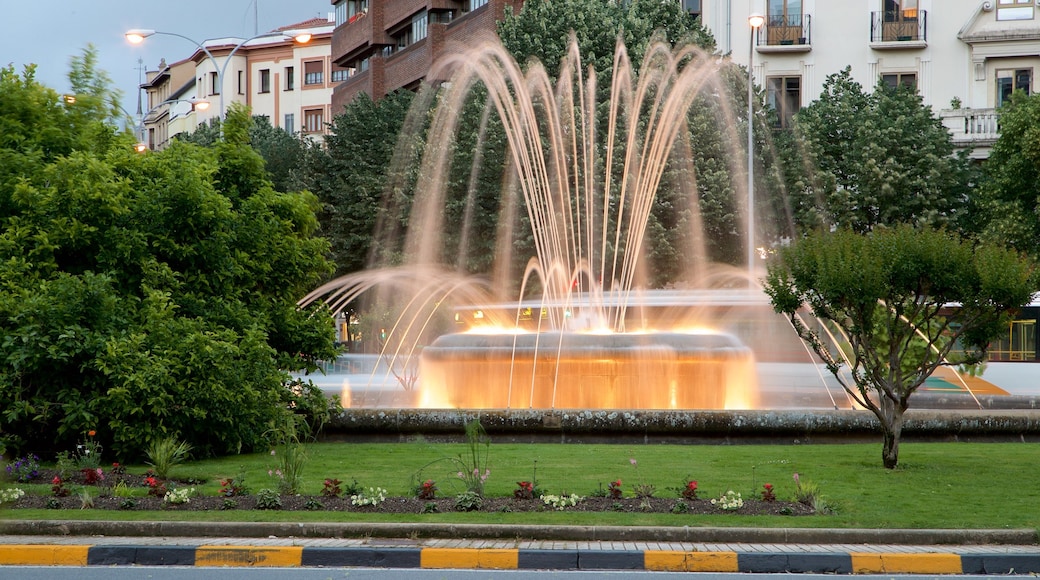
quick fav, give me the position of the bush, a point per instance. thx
(165, 454)
(268, 499)
(24, 469)
(468, 501)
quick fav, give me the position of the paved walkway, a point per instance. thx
(134, 543)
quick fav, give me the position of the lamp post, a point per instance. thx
(755, 20)
(137, 36)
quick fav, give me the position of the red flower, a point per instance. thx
(691, 485)
(56, 480)
(151, 481)
(91, 433)
(768, 486)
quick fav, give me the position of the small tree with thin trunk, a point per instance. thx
(903, 302)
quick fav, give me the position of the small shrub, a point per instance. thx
(614, 489)
(617, 507)
(121, 489)
(93, 475)
(524, 490)
(229, 504)
(426, 490)
(767, 492)
(118, 469)
(156, 487)
(689, 490)
(429, 508)
(331, 488)
(86, 498)
(806, 491)
(268, 499)
(128, 503)
(644, 490)
(353, 488)
(10, 495)
(232, 487)
(313, 505)
(165, 454)
(468, 501)
(373, 497)
(680, 507)
(24, 469)
(729, 501)
(560, 502)
(66, 465)
(179, 496)
(53, 504)
(88, 453)
(58, 488)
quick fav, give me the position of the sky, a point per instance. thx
(49, 32)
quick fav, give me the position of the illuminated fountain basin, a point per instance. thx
(552, 370)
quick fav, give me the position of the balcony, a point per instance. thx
(894, 30)
(791, 33)
(974, 128)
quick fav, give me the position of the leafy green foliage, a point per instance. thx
(146, 296)
(1009, 202)
(880, 159)
(887, 293)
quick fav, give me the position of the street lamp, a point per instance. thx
(755, 21)
(137, 36)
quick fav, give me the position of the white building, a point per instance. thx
(964, 56)
(289, 82)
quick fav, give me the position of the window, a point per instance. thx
(265, 81)
(784, 94)
(340, 74)
(474, 4)
(290, 78)
(362, 64)
(341, 12)
(214, 83)
(1009, 81)
(693, 7)
(313, 120)
(290, 123)
(356, 10)
(895, 80)
(241, 82)
(899, 21)
(314, 72)
(1014, 9)
(784, 25)
(419, 26)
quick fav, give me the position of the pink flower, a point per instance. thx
(632, 460)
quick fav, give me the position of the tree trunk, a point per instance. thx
(891, 418)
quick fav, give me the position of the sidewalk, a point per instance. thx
(836, 551)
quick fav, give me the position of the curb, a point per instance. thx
(509, 559)
(918, 537)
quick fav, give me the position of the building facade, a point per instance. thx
(965, 57)
(392, 44)
(287, 81)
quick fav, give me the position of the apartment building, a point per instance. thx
(288, 81)
(169, 90)
(964, 57)
(391, 44)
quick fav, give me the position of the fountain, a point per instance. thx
(578, 328)
(587, 188)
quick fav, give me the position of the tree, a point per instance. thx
(1009, 200)
(147, 296)
(281, 151)
(890, 295)
(881, 158)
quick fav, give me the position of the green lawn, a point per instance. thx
(941, 485)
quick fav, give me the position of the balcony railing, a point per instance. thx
(975, 128)
(786, 30)
(896, 26)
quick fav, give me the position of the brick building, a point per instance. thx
(392, 44)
